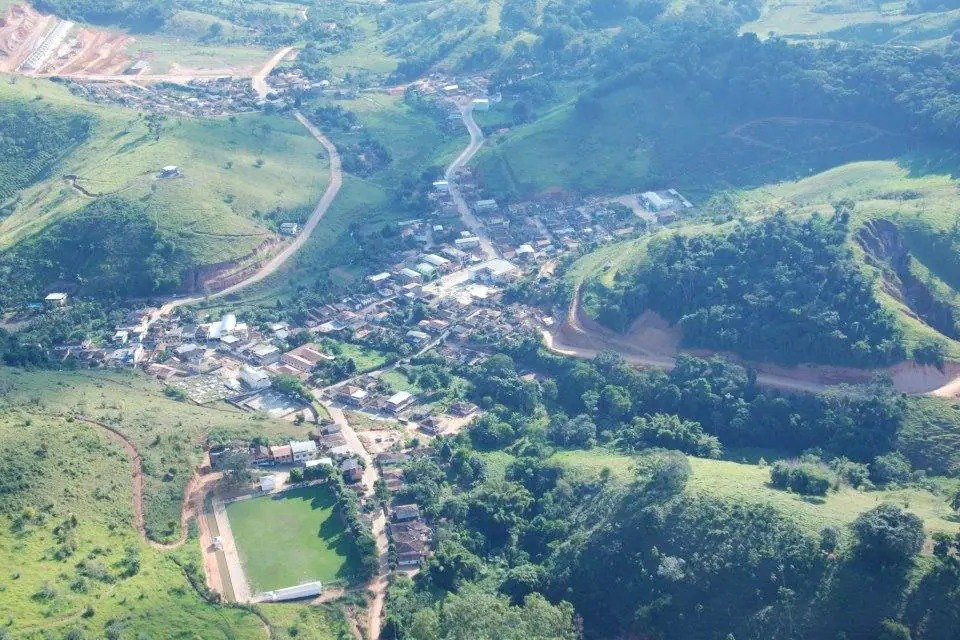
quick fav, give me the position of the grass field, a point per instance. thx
(291, 538)
(638, 140)
(748, 483)
(239, 175)
(167, 433)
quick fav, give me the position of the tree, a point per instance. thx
(829, 539)
(576, 432)
(890, 468)
(236, 468)
(889, 535)
(614, 404)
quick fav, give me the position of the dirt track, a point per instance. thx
(651, 344)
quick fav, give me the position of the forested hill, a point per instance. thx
(782, 289)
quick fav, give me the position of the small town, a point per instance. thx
(361, 372)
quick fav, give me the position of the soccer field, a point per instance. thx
(291, 538)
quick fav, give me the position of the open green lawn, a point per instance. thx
(749, 483)
(240, 175)
(167, 433)
(291, 538)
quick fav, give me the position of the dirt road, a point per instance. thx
(582, 337)
(277, 261)
(378, 585)
(469, 220)
(259, 79)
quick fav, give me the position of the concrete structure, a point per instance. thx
(303, 450)
(254, 378)
(497, 271)
(266, 354)
(654, 201)
(56, 299)
(299, 592)
(268, 483)
(400, 401)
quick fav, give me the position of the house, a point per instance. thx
(438, 262)
(400, 401)
(299, 592)
(55, 299)
(189, 352)
(432, 425)
(354, 396)
(289, 228)
(221, 328)
(229, 343)
(268, 483)
(654, 201)
(486, 206)
(171, 171)
(303, 450)
(351, 470)
(405, 513)
(427, 270)
(121, 337)
(379, 279)
(463, 409)
(392, 459)
(281, 454)
(418, 338)
(497, 271)
(525, 252)
(319, 462)
(467, 242)
(441, 186)
(409, 275)
(481, 104)
(305, 357)
(254, 378)
(265, 354)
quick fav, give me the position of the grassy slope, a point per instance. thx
(212, 210)
(86, 474)
(166, 432)
(748, 483)
(305, 540)
(854, 22)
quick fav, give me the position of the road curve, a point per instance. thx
(272, 265)
(469, 220)
(581, 337)
(259, 79)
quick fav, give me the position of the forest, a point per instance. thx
(781, 289)
(109, 249)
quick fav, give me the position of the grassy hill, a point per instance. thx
(241, 176)
(745, 483)
(167, 433)
(71, 556)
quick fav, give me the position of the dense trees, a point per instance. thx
(888, 535)
(110, 249)
(777, 289)
(133, 14)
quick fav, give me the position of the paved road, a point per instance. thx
(272, 265)
(469, 220)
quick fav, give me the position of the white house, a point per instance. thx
(254, 378)
(303, 450)
(268, 483)
(655, 201)
(400, 401)
(497, 271)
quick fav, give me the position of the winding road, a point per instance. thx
(580, 336)
(469, 220)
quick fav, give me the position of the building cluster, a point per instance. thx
(197, 98)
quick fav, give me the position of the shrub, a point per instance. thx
(890, 468)
(806, 478)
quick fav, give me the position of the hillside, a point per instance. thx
(240, 178)
(73, 558)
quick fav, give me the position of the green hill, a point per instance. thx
(241, 176)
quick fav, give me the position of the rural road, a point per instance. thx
(272, 265)
(469, 220)
(581, 337)
(259, 79)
